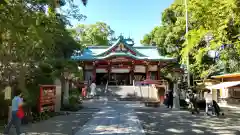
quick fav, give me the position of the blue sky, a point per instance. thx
(132, 18)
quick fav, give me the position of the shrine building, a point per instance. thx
(121, 63)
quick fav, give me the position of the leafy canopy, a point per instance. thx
(93, 34)
(213, 37)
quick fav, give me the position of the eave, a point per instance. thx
(226, 76)
(120, 54)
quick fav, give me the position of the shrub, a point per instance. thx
(4, 108)
(74, 95)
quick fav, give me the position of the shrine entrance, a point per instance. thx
(119, 79)
(101, 78)
(113, 78)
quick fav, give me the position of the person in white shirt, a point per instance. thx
(93, 88)
(208, 99)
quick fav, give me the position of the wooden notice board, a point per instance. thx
(47, 98)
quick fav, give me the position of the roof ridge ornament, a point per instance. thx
(129, 41)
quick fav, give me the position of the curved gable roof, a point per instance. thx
(142, 52)
(118, 42)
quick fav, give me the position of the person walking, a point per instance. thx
(170, 99)
(194, 99)
(93, 88)
(208, 99)
(166, 99)
(16, 114)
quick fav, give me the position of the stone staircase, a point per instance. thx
(132, 93)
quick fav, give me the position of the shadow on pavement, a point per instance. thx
(59, 125)
(163, 121)
(113, 120)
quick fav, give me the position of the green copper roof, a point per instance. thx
(92, 53)
(119, 41)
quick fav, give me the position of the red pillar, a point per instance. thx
(132, 72)
(83, 70)
(158, 72)
(109, 68)
(147, 72)
(94, 72)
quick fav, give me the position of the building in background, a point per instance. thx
(228, 90)
(122, 62)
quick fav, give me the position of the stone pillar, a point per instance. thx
(8, 93)
(7, 96)
(176, 103)
(66, 93)
(58, 95)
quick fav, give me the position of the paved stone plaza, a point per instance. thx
(118, 117)
(114, 119)
(132, 118)
(162, 121)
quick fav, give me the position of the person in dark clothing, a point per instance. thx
(166, 100)
(170, 99)
(193, 100)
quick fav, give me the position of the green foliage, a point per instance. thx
(36, 37)
(35, 46)
(213, 24)
(74, 96)
(4, 108)
(93, 34)
(74, 103)
(41, 75)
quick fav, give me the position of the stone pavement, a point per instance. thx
(59, 125)
(163, 121)
(130, 118)
(115, 118)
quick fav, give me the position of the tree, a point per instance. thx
(29, 36)
(210, 30)
(213, 29)
(93, 34)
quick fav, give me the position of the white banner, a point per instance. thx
(120, 70)
(140, 69)
(101, 70)
(152, 68)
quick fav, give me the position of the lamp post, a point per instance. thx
(188, 69)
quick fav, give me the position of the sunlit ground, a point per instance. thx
(115, 119)
(59, 125)
(169, 122)
(119, 118)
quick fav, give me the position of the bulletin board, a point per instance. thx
(47, 98)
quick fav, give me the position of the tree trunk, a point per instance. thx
(65, 90)
(22, 78)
